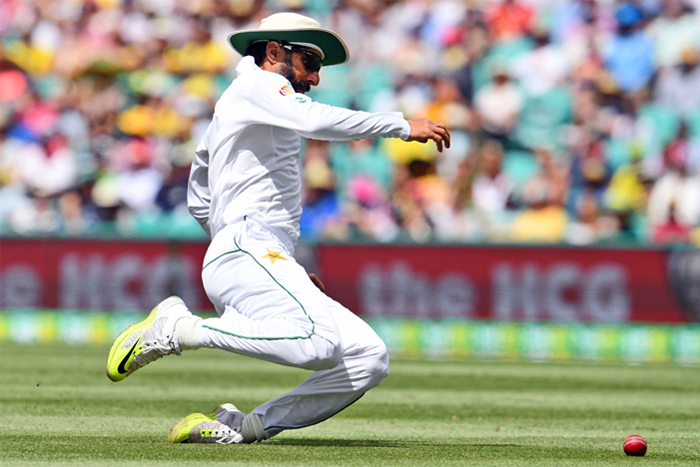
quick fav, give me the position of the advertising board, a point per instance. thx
(505, 283)
(512, 283)
(99, 275)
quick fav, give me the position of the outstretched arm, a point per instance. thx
(423, 130)
(283, 108)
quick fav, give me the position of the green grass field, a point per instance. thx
(57, 407)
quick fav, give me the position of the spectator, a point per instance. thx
(543, 221)
(100, 103)
(499, 104)
(320, 203)
(363, 157)
(509, 18)
(674, 31)
(629, 55)
(671, 230)
(542, 69)
(48, 168)
(367, 215)
(139, 182)
(673, 201)
(491, 188)
(590, 224)
(678, 87)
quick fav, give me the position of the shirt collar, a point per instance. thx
(246, 65)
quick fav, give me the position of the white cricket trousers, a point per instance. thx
(269, 309)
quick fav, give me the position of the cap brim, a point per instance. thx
(333, 47)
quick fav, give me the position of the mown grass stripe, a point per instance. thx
(407, 421)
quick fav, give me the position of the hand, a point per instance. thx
(317, 282)
(423, 130)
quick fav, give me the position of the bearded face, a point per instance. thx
(287, 70)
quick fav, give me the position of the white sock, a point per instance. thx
(187, 333)
(252, 428)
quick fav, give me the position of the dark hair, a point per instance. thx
(257, 50)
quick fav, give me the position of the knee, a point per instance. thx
(377, 366)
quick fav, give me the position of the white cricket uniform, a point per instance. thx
(245, 191)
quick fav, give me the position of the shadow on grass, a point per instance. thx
(353, 443)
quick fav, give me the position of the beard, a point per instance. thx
(287, 70)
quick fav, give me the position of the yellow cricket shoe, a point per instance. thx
(198, 428)
(153, 338)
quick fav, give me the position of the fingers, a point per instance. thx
(317, 282)
(423, 130)
(441, 135)
(447, 137)
(438, 142)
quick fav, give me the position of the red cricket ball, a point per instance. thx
(635, 445)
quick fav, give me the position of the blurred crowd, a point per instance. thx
(572, 121)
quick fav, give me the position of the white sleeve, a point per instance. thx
(198, 195)
(297, 112)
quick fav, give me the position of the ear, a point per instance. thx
(274, 53)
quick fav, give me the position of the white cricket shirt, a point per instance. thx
(247, 161)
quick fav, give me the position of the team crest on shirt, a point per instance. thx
(286, 90)
(273, 256)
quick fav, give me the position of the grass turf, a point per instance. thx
(57, 407)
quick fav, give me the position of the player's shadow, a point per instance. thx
(353, 443)
(350, 443)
